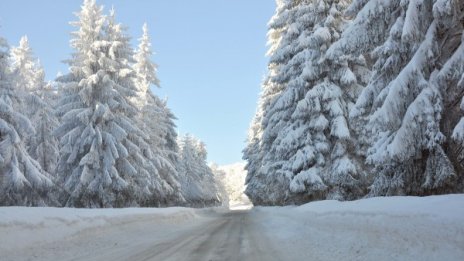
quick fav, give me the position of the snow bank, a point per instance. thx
(393, 228)
(449, 206)
(22, 226)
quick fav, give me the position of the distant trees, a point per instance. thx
(197, 178)
(327, 127)
(232, 179)
(101, 138)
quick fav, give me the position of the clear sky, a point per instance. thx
(211, 56)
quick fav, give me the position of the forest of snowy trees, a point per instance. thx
(97, 136)
(362, 98)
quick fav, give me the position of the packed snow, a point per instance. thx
(394, 228)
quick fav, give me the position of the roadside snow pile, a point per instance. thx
(22, 226)
(393, 228)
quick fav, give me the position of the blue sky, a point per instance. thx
(210, 55)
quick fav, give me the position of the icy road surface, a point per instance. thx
(397, 228)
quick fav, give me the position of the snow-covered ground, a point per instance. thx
(396, 228)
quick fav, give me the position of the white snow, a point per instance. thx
(394, 228)
(26, 226)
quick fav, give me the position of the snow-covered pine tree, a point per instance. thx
(102, 150)
(146, 184)
(158, 121)
(262, 131)
(197, 179)
(89, 182)
(169, 132)
(409, 108)
(309, 150)
(28, 76)
(449, 80)
(145, 68)
(165, 144)
(43, 146)
(22, 180)
(458, 133)
(317, 142)
(36, 105)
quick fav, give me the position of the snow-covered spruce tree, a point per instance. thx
(280, 38)
(87, 166)
(28, 76)
(145, 185)
(43, 146)
(145, 68)
(103, 152)
(410, 108)
(158, 121)
(37, 105)
(197, 179)
(310, 153)
(22, 180)
(458, 133)
(449, 80)
(316, 145)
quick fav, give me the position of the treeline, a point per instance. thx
(362, 98)
(96, 136)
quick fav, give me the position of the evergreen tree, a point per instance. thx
(43, 146)
(197, 179)
(318, 138)
(259, 143)
(158, 121)
(28, 76)
(308, 147)
(411, 104)
(101, 149)
(145, 183)
(22, 180)
(37, 105)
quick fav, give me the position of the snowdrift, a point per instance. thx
(387, 228)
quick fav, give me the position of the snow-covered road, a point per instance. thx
(228, 236)
(398, 228)
(213, 234)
